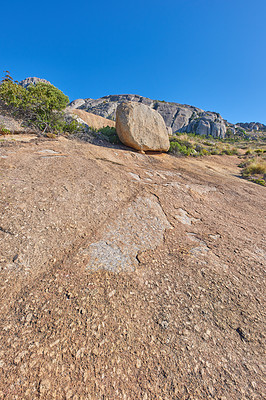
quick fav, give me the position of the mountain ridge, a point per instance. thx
(178, 117)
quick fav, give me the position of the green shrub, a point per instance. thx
(177, 148)
(248, 152)
(230, 151)
(72, 127)
(214, 152)
(110, 134)
(4, 131)
(204, 152)
(39, 105)
(259, 182)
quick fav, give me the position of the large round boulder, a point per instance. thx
(141, 127)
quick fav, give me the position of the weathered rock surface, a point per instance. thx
(177, 117)
(91, 120)
(141, 127)
(141, 226)
(32, 81)
(252, 126)
(185, 316)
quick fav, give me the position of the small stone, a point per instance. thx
(69, 394)
(29, 317)
(138, 363)
(44, 386)
(206, 335)
(197, 328)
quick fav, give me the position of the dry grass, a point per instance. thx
(196, 145)
(256, 167)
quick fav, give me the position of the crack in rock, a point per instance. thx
(140, 227)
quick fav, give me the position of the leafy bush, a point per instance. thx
(72, 127)
(110, 134)
(40, 105)
(204, 152)
(177, 148)
(259, 182)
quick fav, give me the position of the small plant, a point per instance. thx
(50, 135)
(259, 182)
(230, 151)
(204, 152)
(255, 167)
(110, 134)
(259, 151)
(72, 127)
(178, 149)
(4, 131)
(248, 152)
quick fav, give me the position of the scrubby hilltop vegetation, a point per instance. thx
(40, 105)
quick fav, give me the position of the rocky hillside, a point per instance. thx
(126, 276)
(252, 126)
(178, 117)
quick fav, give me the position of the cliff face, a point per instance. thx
(178, 117)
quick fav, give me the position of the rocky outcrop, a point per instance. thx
(252, 126)
(206, 123)
(177, 117)
(32, 81)
(141, 127)
(91, 120)
(125, 276)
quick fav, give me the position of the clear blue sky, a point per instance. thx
(207, 53)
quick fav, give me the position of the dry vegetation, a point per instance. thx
(251, 151)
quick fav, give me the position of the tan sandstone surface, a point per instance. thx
(128, 276)
(92, 120)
